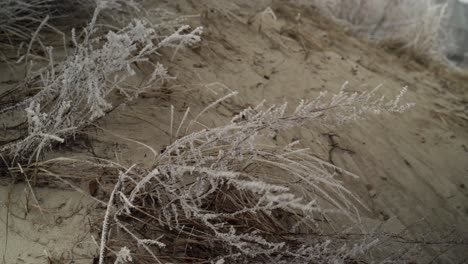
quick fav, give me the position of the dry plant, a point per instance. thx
(74, 92)
(224, 195)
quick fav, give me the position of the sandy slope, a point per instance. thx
(54, 228)
(413, 167)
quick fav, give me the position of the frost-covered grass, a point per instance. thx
(417, 25)
(220, 195)
(73, 93)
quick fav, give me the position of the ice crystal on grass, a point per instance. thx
(44, 129)
(123, 256)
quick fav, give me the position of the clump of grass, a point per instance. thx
(224, 195)
(20, 19)
(74, 92)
